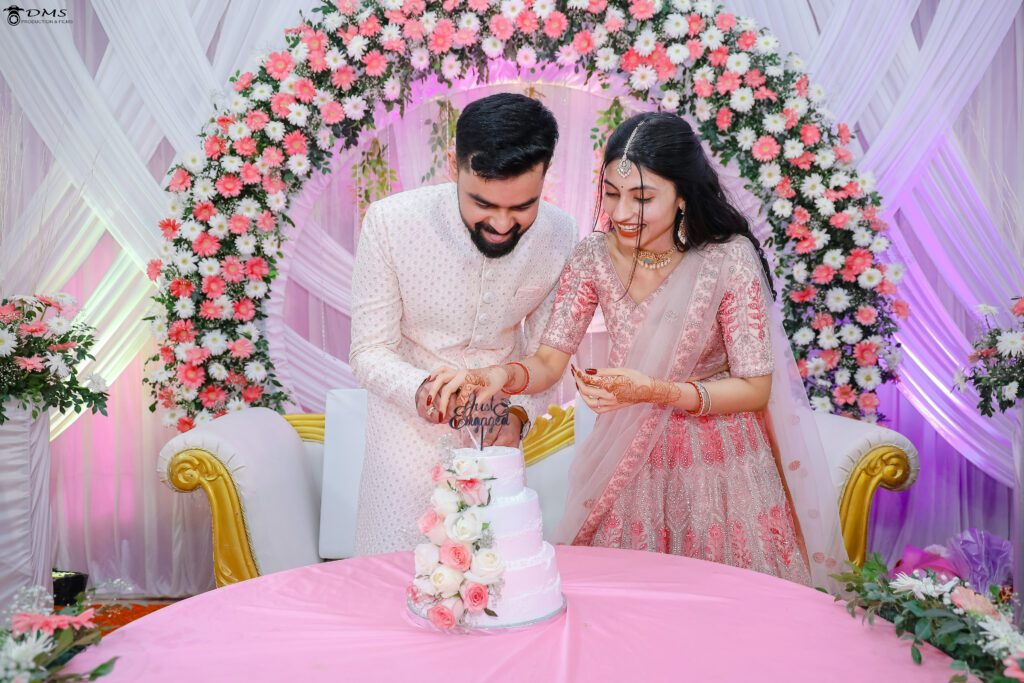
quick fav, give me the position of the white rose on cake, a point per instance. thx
(446, 581)
(486, 568)
(425, 586)
(465, 527)
(445, 501)
(467, 468)
(427, 558)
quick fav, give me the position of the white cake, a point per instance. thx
(530, 588)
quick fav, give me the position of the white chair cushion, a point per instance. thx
(847, 440)
(344, 449)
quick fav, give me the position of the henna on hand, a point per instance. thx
(625, 390)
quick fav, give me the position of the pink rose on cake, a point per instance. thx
(475, 597)
(486, 567)
(446, 581)
(432, 526)
(456, 555)
(474, 491)
(464, 527)
(441, 617)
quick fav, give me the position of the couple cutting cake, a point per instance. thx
(477, 290)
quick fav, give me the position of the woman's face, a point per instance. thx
(623, 198)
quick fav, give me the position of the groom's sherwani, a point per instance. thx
(424, 296)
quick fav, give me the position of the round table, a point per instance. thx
(632, 616)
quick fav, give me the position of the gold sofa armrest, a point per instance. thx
(885, 466)
(193, 468)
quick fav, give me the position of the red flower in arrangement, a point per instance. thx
(555, 25)
(153, 268)
(166, 397)
(583, 42)
(822, 320)
(727, 82)
(370, 27)
(185, 424)
(831, 358)
(9, 313)
(718, 56)
(231, 269)
(272, 156)
(243, 81)
(33, 329)
(252, 393)
(725, 21)
(30, 363)
(181, 287)
(1018, 307)
(182, 332)
(281, 104)
(765, 148)
(241, 348)
(167, 354)
(213, 286)
(724, 118)
(332, 112)
(191, 376)
(295, 143)
(696, 24)
(206, 244)
(804, 295)
(502, 27)
(236, 380)
(197, 355)
(211, 310)
(597, 6)
(641, 10)
(746, 41)
(169, 228)
(868, 402)
(229, 185)
(527, 22)
(244, 310)
(238, 224)
(823, 274)
(809, 134)
(256, 268)
(304, 90)
(257, 119)
(702, 88)
(867, 315)
(344, 78)
(279, 65)
(66, 346)
(250, 174)
(214, 146)
(866, 353)
(180, 180)
(902, 309)
(266, 221)
(245, 147)
(844, 395)
(272, 183)
(213, 397)
(204, 211)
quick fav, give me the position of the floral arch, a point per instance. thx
(223, 235)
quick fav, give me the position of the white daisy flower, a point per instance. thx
(526, 58)
(839, 179)
(863, 237)
(606, 59)
(219, 226)
(8, 342)
(357, 47)
(774, 123)
(187, 395)
(1002, 638)
(511, 8)
(797, 104)
(746, 24)
(298, 115)
(225, 304)
(825, 159)
(1010, 344)
(451, 67)
(742, 99)
(644, 77)
(766, 43)
(271, 246)
(255, 372)
(248, 207)
(812, 187)
(1010, 391)
(803, 336)
(59, 325)
(834, 258)
(299, 164)
(277, 201)
(20, 654)
(492, 47)
(321, 98)
(246, 244)
(645, 42)
(895, 272)
(822, 403)
(868, 377)
(274, 130)
(850, 333)
(824, 206)
(837, 300)
(57, 365)
(870, 278)
(194, 161)
(255, 289)
(816, 367)
(215, 342)
(769, 175)
(821, 238)
(816, 92)
(959, 380)
(712, 38)
(745, 138)
(217, 371)
(986, 309)
(190, 230)
(670, 101)
(600, 35)
(867, 181)
(795, 63)
(879, 245)
(300, 53)
(160, 375)
(175, 207)
(392, 89)
(355, 107)
(203, 416)
(922, 587)
(261, 92)
(231, 163)
(249, 330)
(203, 189)
(782, 208)
(677, 53)
(578, 4)
(238, 103)
(774, 71)
(335, 60)
(184, 307)
(702, 110)
(165, 251)
(800, 272)
(705, 7)
(420, 58)
(469, 21)
(842, 377)
(827, 338)
(235, 405)
(676, 25)
(738, 63)
(184, 261)
(791, 149)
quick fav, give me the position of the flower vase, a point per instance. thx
(26, 536)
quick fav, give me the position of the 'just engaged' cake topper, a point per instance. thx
(480, 417)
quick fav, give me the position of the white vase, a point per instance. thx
(26, 535)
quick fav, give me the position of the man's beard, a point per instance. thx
(491, 249)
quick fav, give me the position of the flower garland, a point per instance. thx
(373, 176)
(997, 363)
(441, 138)
(458, 573)
(976, 630)
(223, 228)
(40, 347)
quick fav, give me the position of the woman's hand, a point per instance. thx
(612, 388)
(483, 383)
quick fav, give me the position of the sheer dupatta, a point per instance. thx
(669, 344)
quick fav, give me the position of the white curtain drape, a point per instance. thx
(105, 104)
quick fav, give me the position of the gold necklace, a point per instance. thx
(652, 260)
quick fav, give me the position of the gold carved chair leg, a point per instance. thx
(232, 552)
(885, 466)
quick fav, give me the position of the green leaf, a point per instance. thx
(489, 612)
(915, 654)
(103, 669)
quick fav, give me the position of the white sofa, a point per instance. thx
(283, 489)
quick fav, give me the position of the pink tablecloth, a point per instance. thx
(632, 617)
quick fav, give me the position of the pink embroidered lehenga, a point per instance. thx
(659, 479)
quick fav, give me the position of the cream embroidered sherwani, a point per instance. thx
(424, 296)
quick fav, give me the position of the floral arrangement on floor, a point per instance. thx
(997, 362)
(40, 348)
(36, 642)
(956, 598)
(224, 224)
(458, 573)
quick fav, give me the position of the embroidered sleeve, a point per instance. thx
(743, 316)
(575, 303)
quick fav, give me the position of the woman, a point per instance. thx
(712, 468)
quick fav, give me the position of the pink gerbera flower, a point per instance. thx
(206, 244)
(295, 143)
(229, 185)
(29, 363)
(191, 376)
(244, 310)
(375, 63)
(765, 149)
(279, 65)
(232, 270)
(180, 180)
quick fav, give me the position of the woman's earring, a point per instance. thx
(680, 230)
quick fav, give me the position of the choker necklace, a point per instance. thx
(652, 260)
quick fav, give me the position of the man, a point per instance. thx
(461, 274)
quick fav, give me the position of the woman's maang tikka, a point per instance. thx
(625, 165)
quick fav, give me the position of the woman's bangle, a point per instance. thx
(519, 390)
(703, 400)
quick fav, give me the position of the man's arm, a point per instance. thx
(376, 320)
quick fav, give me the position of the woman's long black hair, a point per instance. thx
(667, 146)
